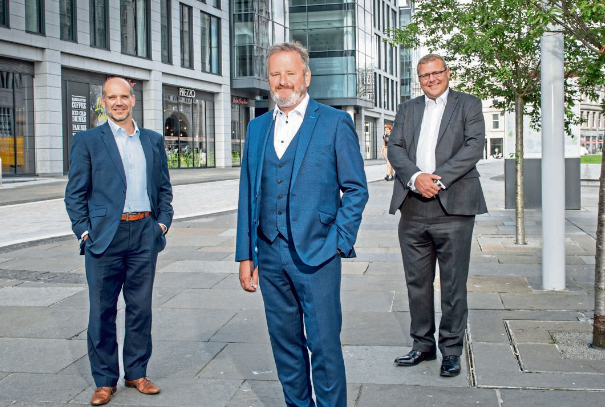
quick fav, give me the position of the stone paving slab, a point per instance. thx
(9, 283)
(38, 322)
(355, 268)
(498, 284)
(548, 301)
(215, 299)
(187, 280)
(182, 392)
(229, 282)
(48, 388)
(189, 266)
(247, 326)
(374, 365)
(429, 395)
(376, 329)
(539, 331)
(252, 361)
(547, 358)
(38, 355)
(365, 301)
(373, 283)
(549, 398)
(49, 264)
(188, 324)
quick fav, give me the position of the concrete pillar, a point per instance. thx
(48, 117)
(351, 111)
(153, 106)
(553, 162)
(222, 112)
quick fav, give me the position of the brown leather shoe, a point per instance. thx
(102, 395)
(144, 385)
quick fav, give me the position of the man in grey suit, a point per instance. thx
(436, 141)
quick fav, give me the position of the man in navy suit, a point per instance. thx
(294, 226)
(119, 201)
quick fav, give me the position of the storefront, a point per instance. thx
(17, 146)
(240, 117)
(82, 109)
(189, 129)
(370, 134)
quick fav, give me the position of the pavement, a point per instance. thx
(525, 346)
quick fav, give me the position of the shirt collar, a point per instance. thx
(300, 109)
(442, 97)
(115, 129)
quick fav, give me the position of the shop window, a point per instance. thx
(216, 4)
(496, 121)
(166, 30)
(34, 16)
(210, 39)
(186, 36)
(67, 10)
(99, 24)
(134, 15)
(4, 13)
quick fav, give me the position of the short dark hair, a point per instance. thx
(430, 58)
(290, 46)
(118, 77)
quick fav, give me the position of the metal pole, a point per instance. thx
(553, 162)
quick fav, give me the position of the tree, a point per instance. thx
(583, 21)
(493, 49)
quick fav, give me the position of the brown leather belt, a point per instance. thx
(134, 216)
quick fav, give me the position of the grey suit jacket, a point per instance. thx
(459, 147)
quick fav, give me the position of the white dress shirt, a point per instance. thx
(287, 125)
(429, 132)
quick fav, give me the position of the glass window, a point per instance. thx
(210, 39)
(166, 30)
(3, 13)
(99, 24)
(496, 121)
(216, 3)
(186, 36)
(34, 16)
(134, 28)
(67, 9)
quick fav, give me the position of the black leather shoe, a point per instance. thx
(450, 366)
(414, 357)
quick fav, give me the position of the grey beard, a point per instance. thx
(291, 101)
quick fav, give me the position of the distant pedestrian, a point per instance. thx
(118, 198)
(437, 140)
(302, 193)
(390, 174)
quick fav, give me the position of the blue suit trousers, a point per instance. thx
(127, 265)
(303, 299)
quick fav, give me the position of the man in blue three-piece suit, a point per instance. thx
(293, 226)
(118, 198)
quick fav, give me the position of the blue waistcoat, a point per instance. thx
(275, 186)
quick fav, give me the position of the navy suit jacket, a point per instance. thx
(327, 162)
(96, 190)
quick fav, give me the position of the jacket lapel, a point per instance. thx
(418, 115)
(452, 101)
(146, 144)
(262, 144)
(304, 137)
(112, 149)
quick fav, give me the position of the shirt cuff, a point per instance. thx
(412, 181)
(165, 228)
(84, 234)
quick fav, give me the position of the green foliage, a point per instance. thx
(591, 159)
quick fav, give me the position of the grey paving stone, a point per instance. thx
(248, 326)
(356, 268)
(383, 395)
(38, 355)
(374, 365)
(49, 388)
(193, 255)
(35, 296)
(187, 280)
(484, 301)
(37, 322)
(378, 301)
(538, 332)
(372, 283)
(401, 302)
(49, 264)
(8, 283)
(549, 398)
(195, 231)
(189, 266)
(3, 259)
(498, 284)
(229, 282)
(376, 328)
(196, 241)
(252, 361)
(381, 268)
(188, 324)
(548, 301)
(182, 392)
(216, 299)
(546, 358)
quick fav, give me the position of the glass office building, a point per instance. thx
(406, 66)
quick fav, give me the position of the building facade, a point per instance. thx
(592, 129)
(56, 54)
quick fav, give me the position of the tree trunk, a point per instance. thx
(598, 333)
(519, 203)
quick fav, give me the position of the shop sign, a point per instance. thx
(239, 101)
(79, 107)
(187, 93)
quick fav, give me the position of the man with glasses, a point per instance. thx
(436, 141)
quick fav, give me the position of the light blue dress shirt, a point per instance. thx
(135, 167)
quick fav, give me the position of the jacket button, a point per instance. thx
(279, 181)
(279, 197)
(279, 213)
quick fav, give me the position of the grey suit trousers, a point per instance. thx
(427, 233)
